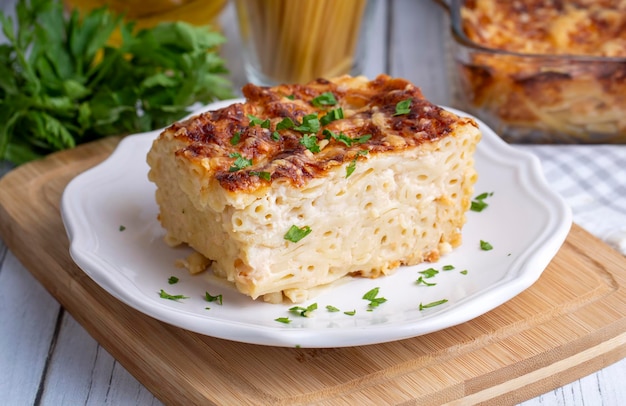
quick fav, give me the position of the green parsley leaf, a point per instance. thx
(310, 124)
(429, 273)
(433, 304)
(210, 298)
(296, 233)
(352, 165)
(275, 136)
(479, 204)
(285, 124)
(235, 138)
(350, 313)
(263, 175)
(464, 272)
(447, 267)
(328, 134)
(291, 97)
(303, 311)
(164, 295)
(403, 107)
(172, 280)
(332, 309)
(421, 281)
(310, 142)
(258, 121)
(122, 228)
(332, 115)
(324, 99)
(240, 162)
(371, 296)
(284, 320)
(485, 246)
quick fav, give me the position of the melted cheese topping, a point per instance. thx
(368, 108)
(575, 27)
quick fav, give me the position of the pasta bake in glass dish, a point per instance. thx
(542, 71)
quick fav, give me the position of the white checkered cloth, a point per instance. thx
(592, 180)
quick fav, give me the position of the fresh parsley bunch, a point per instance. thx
(62, 84)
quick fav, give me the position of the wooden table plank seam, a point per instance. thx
(48, 360)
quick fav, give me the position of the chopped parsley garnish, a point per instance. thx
(485, 246)
(429, 273)
(479, 204)
(310, 124)
(332, 309)
(303, 311)
(345, 139)
(210, 298)
(324, 99)
(172, 280)
(234, 140)
(122, 228)
(352, 166)
(371, 296)
(447, 267)
(263, 175)
(240, 162)
(275, 136)
(291, 97)
(285, 124)
(310, 142)
(433, 304)
(257, 121)
(464, 272)
(296, 233)
(350, 313)
(164, 295)
(403, 107)
(332, 115)
(421, 281)
(285, 320)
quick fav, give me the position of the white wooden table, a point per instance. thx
(47, 358)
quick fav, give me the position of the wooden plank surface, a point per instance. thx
(567, 325)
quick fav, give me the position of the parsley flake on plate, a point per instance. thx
(433, 304)
(372, 297)
(303, 311)
(479, 204)
(485, 246)
(164, 295)
(210, 298)
(172, 280)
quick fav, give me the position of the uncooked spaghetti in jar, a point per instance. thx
(288, 41)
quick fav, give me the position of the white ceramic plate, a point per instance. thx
(526, 223)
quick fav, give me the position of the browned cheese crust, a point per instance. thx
(551, 83)
(282, 155)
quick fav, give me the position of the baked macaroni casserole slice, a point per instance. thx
(304, 184)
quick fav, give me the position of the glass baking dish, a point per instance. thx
(536, 97)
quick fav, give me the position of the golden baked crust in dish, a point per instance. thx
(546, 70)
(572, 27)
(368, 176)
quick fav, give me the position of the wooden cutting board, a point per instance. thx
(570, 323)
